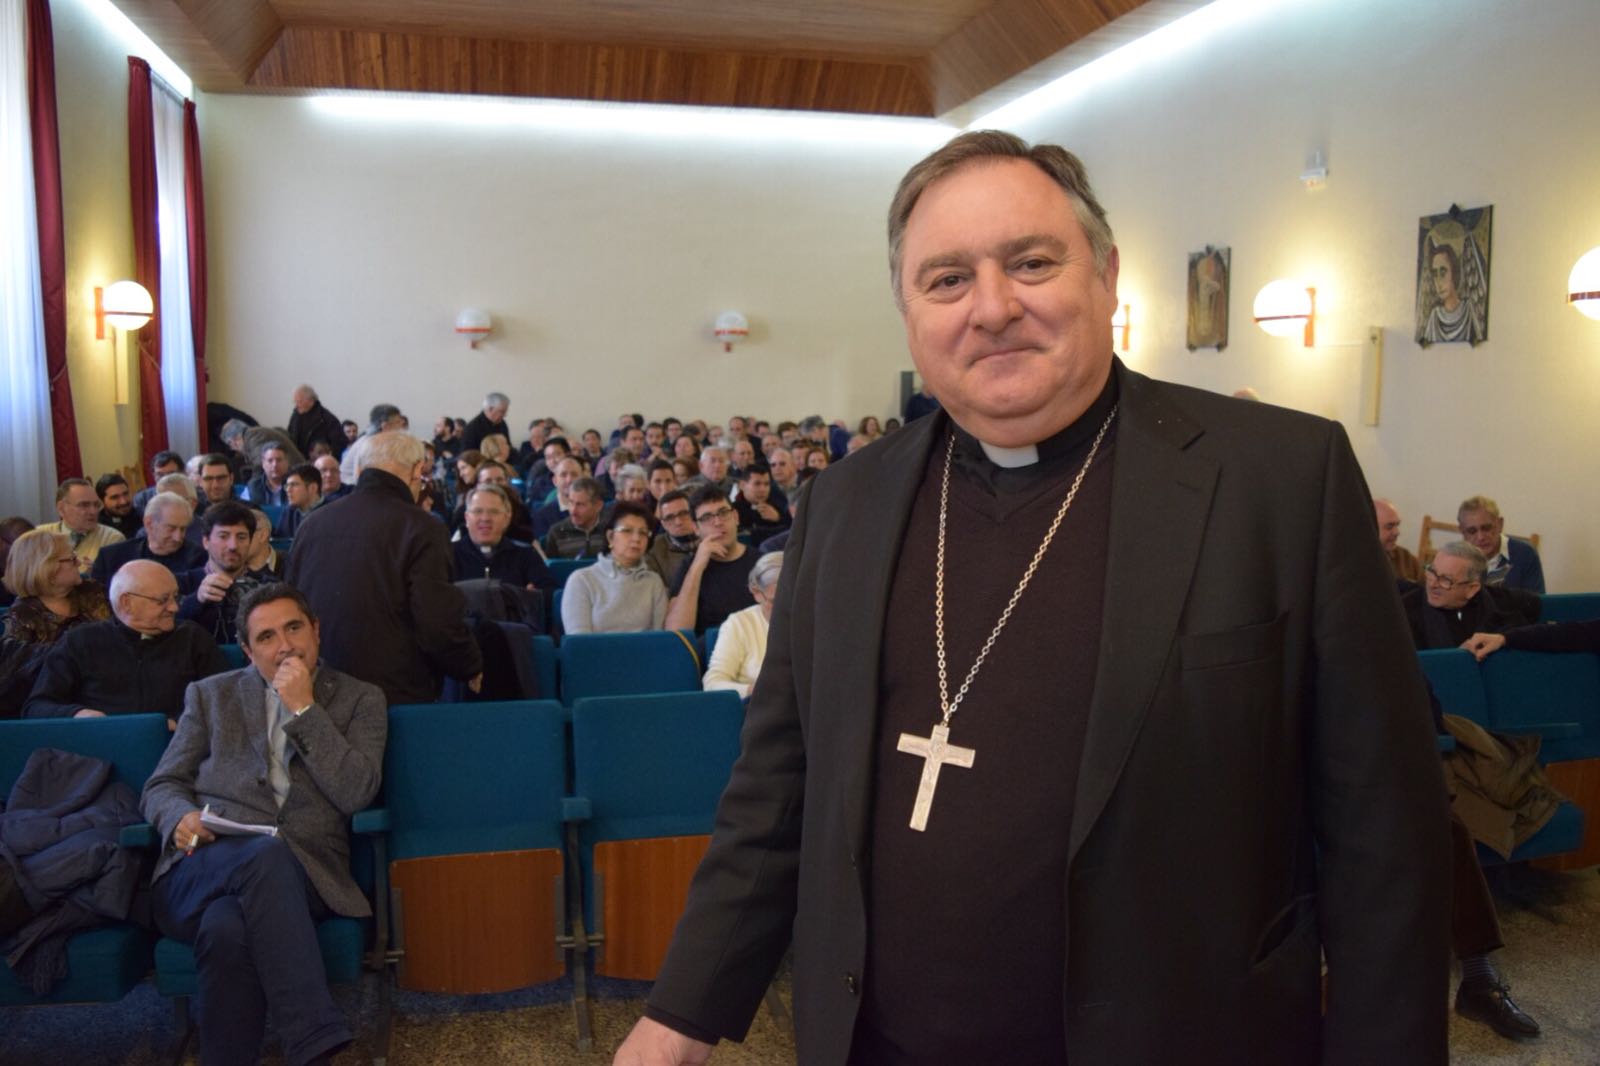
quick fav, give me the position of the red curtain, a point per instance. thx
(195, 210)
(52, 237)
(146, 254)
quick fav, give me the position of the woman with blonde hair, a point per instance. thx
(52, 597)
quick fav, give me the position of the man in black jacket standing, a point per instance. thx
(491, 420)
(311, 422)
(376, 570)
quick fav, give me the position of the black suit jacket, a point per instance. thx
(1259, 779)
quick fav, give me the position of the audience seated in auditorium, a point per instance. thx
(165, 540)
(566, 472)
(686, 447)
(162, 464)
(249, 903)
(760, 516)
(780, 540)
(497, 473)
(741, 456)
(212, 593)
(248, 441)
(116, 504)
(11, 530)
(661, 480)
(51, 599)
(310, 424)
(675, 542)
(529, 452)
(742, 640)
(713, 470)
(263, 556)
(78, 518)
(487, 422)
(619, 593)
(784, 474)
(485, 550)
(539, 477)
(1512, 561)
(303, 490)
(714, 582)
(137, 662)
(376, 569)
(351, 432)
(655, 443)
(582, 533)
(216, 479)
(1403, 563)
(495, 447)
(333, 487)
(1454, 603)
(633, 485)
(266, 489)
(446, 439)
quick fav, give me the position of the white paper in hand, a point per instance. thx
(227, 827)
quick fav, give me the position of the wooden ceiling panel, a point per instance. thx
(307, 58)
(216, 42)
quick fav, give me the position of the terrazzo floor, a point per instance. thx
(1552, 959)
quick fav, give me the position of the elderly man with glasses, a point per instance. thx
(138, 662)
(1454, 601)
(715, 581)
(78, 514)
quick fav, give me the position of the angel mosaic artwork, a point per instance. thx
(1453, 276)
(1208, 298)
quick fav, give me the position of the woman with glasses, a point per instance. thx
(618, 594)
(52, 597)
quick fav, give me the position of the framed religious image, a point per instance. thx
(1208, 298)
(1453, 276)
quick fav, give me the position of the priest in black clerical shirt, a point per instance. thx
(1088, 722)
(1453, 601)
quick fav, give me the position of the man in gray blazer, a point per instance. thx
(285, 744)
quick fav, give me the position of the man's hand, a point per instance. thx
(292, 683)
(1483, 645)
(190, 834)
(653, 1044)
(766, 511)
(476, 684)
(89, 713)
(214, 588)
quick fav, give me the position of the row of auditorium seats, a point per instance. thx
(513, 843)
(1553, 697)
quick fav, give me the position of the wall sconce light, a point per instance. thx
(1583, 284)
(730, 326)
(473, 325)
(1120, 323)
(1284, 306)
(123, 305)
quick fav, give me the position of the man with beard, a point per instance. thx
(213, 592)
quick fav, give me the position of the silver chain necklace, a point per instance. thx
(935, 749)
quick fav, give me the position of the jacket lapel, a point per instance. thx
(1160, 497)
(860, 632)
(252, 711)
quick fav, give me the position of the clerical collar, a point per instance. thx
(1007, 469)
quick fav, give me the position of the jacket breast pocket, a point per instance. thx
(1233, 647)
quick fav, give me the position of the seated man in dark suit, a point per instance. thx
(165, 540)
(249, 903)
(303, 489)
(486, 551)
(212, 593)
(1454, 603)
(267, 487)
(138, 662)
(759, 514)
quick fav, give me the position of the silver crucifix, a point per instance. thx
(935, 752)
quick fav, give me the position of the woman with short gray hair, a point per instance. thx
(742, 640)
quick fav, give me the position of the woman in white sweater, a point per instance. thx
(618, 594)
(742, 640)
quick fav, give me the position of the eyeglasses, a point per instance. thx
(1445, 583)
(631, 531)
(169, 600)
(1473, 531)
(718, 515)
(675, 515)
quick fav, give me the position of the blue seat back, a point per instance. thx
(234, 654)
(544, 666)
(562, 569)
(626, 664)
(653, 766)
(132, 743)
(1570, 607)
(473, 777)
(1529, 688)
(1457, 682)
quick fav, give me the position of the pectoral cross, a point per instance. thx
(935, 751)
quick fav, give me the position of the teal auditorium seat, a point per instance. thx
(1511, 692)
(627, 664)
(562, 569)
(650, 771)
(233, 653)
(544, 665)
(1570, 607)
(102, 963)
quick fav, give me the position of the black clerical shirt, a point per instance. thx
(966, 920)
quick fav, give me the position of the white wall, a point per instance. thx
(1415, 106)
(342, 248)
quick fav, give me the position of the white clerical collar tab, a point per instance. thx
(1010, 458)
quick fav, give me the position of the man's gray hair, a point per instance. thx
(496, 399)
(380, 414)
(392, 449)
(1477, 565)
(1060, 165)
(308, 391)
(811, 422)
(232, 430)
(765, 573)
(631, 472)
(163, 502)
(177, 485)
